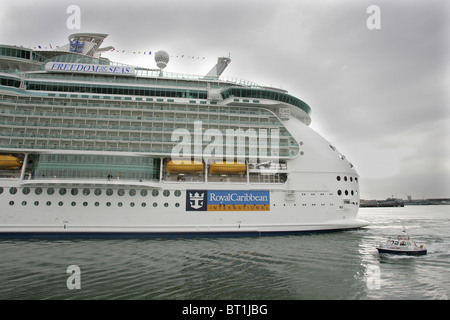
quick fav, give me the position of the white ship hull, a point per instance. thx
(42, 215)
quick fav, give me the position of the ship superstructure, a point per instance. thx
(92, 147)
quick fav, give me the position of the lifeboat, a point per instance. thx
(221, 167)
(184, 166)
(10, 162)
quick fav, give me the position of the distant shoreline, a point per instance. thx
(392, 202)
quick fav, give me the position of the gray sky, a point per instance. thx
(380, 96)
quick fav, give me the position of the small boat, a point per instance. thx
(402, 245)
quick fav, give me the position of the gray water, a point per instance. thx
(338, 265)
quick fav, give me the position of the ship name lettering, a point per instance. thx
(237, 198)
(89, 68)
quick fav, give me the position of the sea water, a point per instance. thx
(338, 265)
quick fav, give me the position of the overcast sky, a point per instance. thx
(381, 96)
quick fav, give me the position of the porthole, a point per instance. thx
(36, 203)
(120, 192)
(352, 193)
(108, 204)
(338, 178)
(38, 191)
(346, 192)
(339, 192)
(50, 191)
(131, 204)
(166, 193)
(73, 203)
(109, 192)
(120, 204)
(166, 204)
(62, 191)
(132, 192)
(1, 190)
(143, 204)
(97, 192)
(60, 203)
(177, 193)
(351, 179)
(74, 191)
(26, 190)
(144, 192)
(155, 193)
(85, 204)
(177, 205)
(155, 204)
(49, 203)
(24, 203)
(13, 190)
(345, 178)
(96, 204)
(11, 203)
(86, 191)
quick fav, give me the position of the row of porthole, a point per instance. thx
(305, 204)
(85, 204)
(338, 178)
(346, 192)
(87, 191)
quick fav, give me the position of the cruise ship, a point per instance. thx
(94, 148)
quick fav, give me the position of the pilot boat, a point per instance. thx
(402, 245)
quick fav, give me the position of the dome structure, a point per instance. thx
(162, 59)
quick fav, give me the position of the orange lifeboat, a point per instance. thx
(184, 166)
(10, 162)
(223, 167)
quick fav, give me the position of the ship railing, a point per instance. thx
(83, 182)
(116, 117)
(133, 128)
(184, 76)
(152, 151)
(146, 77)
(107, 104)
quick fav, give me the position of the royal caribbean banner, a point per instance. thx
(227, 200)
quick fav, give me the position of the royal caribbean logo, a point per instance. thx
(227, 200)
(196, 200)
(76, 46)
